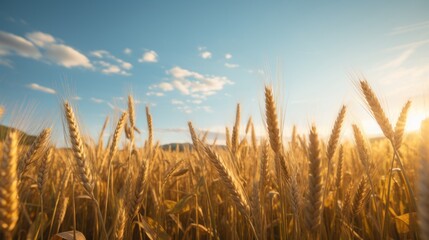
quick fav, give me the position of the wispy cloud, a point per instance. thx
(231, 65)
(40, 88)
(410, 28)
(97, 100)
(6, 62)
(228, 56)
(149, 56)
(399, 60)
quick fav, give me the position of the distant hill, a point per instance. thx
(173, 146)
(25, 138)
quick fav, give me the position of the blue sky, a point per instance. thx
(194, 60)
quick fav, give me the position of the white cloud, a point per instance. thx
(111, 64)
(149, 56)
(228, 56)
(97, 100)
(13, 44)
(53, 50)
(176, 102)
(185, 109)
(231, 65)
(127, 51)
(197, 101)
(77, 98)
(127, 65)
(99, 53)
(206, 55)
(189, 82)
(41, 39)
(206, 109)
(67, 56)
(40, 88)
(165, 86)
(111, 69)
(158, 94)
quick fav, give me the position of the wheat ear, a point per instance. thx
(116, 136)
(339, 173)
(359, 197)
(400, 125)
(227, 179)
(274, 134)
(235, 130)
(132, 118)
(35, 151)
(43, 170)
(9, 204)
(81, 166)
(121, 220)
(335, 134)
(137, 194)
(228, 138)
(314, 194)
(149, 128)
(377, 110)
(272, 122)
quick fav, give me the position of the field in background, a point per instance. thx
(253, 188)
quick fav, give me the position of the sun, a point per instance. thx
(414, 121)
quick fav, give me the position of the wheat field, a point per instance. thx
(305, 187)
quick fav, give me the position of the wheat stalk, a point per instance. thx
(423, 183)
